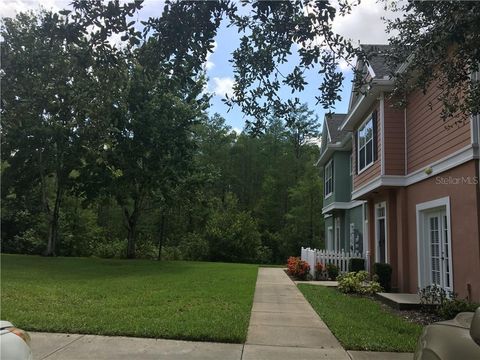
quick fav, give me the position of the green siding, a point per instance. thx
(342, 180)
(356, 218)
(328, 223)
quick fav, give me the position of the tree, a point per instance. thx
(271, 30)
(46, 108)
(232, 234)
(439, 43)
(305, 219)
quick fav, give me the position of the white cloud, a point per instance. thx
(10, 8)
(223, 85)
(365, 24)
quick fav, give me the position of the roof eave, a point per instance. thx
(331, 148)
(365, 102)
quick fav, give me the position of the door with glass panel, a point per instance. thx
(439, 249)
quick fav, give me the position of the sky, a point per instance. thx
(363, 25)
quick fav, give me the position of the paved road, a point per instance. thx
(283, 326)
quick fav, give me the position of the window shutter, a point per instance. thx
(375, 139)
(355, 152)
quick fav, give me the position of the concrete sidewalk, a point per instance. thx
(92, 347)
(283, 326)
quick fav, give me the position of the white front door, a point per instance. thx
(439, 248)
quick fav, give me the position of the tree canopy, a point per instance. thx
(438, 43)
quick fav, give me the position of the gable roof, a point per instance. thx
(333, 122)
(333, 139)
(377, 59)
(377, 68)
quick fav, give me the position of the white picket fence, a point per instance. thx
(339, 258)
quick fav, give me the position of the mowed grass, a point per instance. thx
(361, 323)
(178, 300)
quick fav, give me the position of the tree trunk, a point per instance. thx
(131, 240)
(53, 226)
(132, 221)
(160, 238)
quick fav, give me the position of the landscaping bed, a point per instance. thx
(361, 323)
(179, 300)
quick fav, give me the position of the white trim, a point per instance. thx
(382, 132)
(362, 106)
(381, 205)
(330, 148)
(337, 239)
(370, 70)
(457, 158)
(341, 206)
(326, 180)
(328, 131)
(357, 138)
(366, 250)
(352, 237)
(420, 215)
(365, 168)
(475, 129)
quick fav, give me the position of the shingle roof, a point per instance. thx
(377, 61)
(376, 58)
(333, 122)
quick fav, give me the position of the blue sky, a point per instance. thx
(363, 25)
(220, 73)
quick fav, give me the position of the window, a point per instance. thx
(365, 144)
(328, 178)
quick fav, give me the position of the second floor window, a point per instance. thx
(365, 144)
(328, 178)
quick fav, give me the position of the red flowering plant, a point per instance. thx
(297, 267)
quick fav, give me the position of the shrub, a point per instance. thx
(232, 234)
(318, 270)
(298, 268)
(357, 283)
(384, 273)
(113, 248)
(193, 246)
(450, 308)
(356, 264)
(444, 304)
(332, 270)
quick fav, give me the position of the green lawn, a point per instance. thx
(360, 323)
(180, 300)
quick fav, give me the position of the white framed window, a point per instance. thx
(365, 146)
(328, 181)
